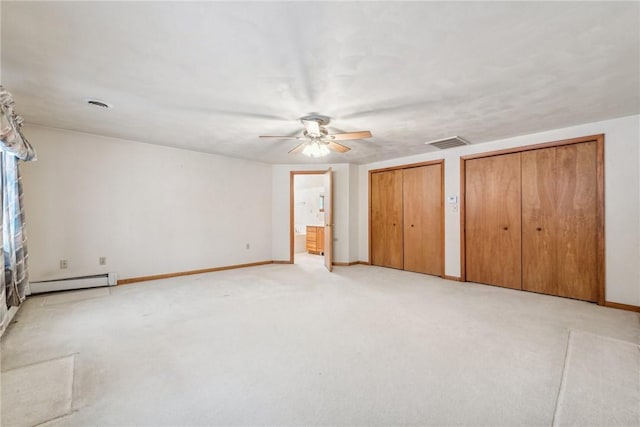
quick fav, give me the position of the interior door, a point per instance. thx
(493, 220)
(328, 219)
(386, 219)
(422, 210)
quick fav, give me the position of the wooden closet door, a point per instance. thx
(493, 220)
(576, 221)
(386, 219)
(539, 221)
(422, 209)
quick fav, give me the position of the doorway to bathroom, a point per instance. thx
(311, 219)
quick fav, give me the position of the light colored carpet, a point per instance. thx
(37, 393)
(71, 296)
(294, 344)
(601, 384)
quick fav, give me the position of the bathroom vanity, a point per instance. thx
(315, 239)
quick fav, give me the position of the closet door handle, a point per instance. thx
(539, 228)
(505, 228)
(412, 225)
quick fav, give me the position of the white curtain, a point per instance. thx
(13, 148)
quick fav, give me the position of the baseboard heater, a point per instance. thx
(82, 282)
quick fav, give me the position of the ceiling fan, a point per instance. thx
(318, 141)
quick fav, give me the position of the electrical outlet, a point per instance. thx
(248, 246)
(102, 260)
(63, 264)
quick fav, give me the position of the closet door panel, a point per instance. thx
(433, 221)
(386, 219)
(539, 225)
(422, 209)
(576, 219)
(413, 189)
(493, 220)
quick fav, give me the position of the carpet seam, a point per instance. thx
(71, 412)
(563, 379)
(44, 361)
(73, 382)
(605, 337)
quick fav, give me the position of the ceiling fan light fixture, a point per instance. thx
(315, 149)
(318, 142)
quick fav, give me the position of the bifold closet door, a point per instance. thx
(559, 230)
(577, 225)
(422, 210)
(539, 221)
(493, 220)
(386, 219)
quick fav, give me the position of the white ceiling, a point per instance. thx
(213, 76)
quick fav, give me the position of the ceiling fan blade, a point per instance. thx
(281, 137)
(338, 147)
(298, 148)
(350, 135)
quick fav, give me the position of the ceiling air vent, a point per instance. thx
(444, 143)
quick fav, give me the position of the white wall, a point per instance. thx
(148, 209)
(354, 213)
(622, 198)
(342, 200)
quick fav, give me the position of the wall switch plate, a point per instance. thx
(248, 246)
(452, 200)
(102, 260)
(63, 264)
